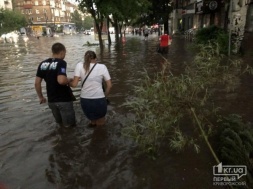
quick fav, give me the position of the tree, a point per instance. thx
(122, 12)
(11, 20)
(93, 7)
(158, 12)
(88, 22)
(77, 19)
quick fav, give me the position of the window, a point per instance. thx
(36, 3)
(45, 10)
(30, 11)
(37, 11)
(38, 18)
(44, 2)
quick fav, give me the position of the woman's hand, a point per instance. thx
(74, 82)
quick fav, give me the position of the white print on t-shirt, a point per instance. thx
(45, 65)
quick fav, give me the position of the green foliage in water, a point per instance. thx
(177, 110)
(235, 145)
(213, 34)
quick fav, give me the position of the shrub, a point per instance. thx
(166, 106)
(235, 143)
(213, 34)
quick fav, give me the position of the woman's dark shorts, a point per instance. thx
(94, 108)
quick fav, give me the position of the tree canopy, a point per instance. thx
(11, 20)
(130, 12)
(135, 12)
(88, 22)
(77, 19)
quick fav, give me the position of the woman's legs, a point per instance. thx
(100, 121)
(97, 122)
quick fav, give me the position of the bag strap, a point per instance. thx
(88, 74)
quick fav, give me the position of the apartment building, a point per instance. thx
(195, 14)
(45, 16)
(188, 14)
(6, 4)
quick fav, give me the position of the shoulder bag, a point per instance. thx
(88, 74)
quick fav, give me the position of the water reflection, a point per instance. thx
(36, 154)
(68, 160)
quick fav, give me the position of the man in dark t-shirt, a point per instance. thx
(53, 71)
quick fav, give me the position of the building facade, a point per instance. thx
(46, 16)
(6, 4)
(196, 14)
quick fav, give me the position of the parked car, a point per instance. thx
(87, 32)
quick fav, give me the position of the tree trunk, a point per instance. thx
(120, 30)
(99, 34)
(108, 32)
(116, 30)
(226, 22)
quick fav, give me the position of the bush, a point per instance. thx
(235, 143)
(213, 34)
(166, 106)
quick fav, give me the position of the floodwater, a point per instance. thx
(36, 154)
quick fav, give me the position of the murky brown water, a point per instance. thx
(34, 154)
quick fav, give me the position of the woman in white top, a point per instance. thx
(93, 97)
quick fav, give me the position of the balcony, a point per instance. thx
(28, 6)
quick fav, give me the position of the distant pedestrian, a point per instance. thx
(146, 32)
(165, 41)
(139, 31)
(53, 71)
(93, 98)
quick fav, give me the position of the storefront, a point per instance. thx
(188, 14)
(209, 13)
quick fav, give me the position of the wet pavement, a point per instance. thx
(35, 154)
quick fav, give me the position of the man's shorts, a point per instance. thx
(63, 112)
(94, 108)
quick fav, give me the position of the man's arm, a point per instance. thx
(63, 80)
(38, 89)
(61, 75)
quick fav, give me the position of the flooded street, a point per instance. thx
(35, 154)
